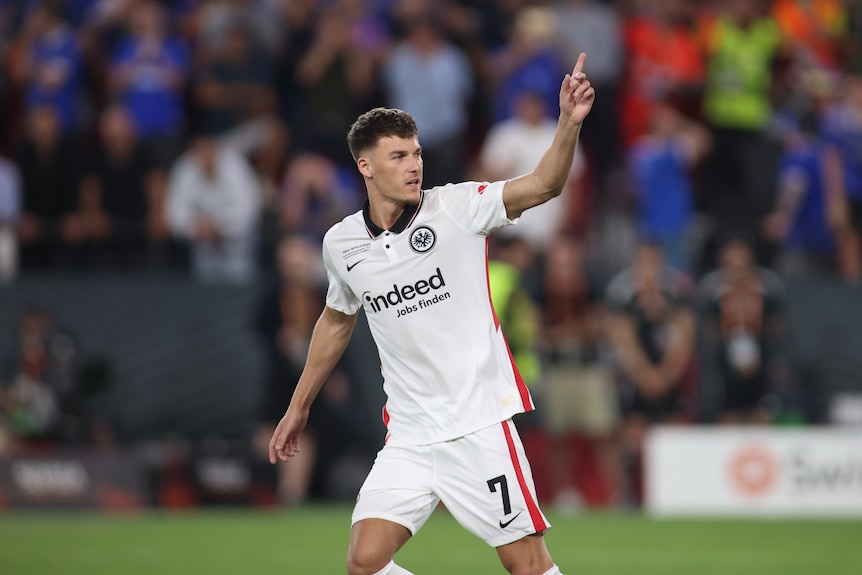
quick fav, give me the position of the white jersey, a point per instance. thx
(447, 370)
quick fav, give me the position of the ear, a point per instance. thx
(364, 167)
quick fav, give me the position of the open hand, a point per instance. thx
(576, 93)
(285, 439)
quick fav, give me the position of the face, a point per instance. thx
(116, 129)
(854, 90)
(44, 126)
(297, 260)
(393, 170)
(204, 151)
(564, 259)
(736, 256)
(147, 20)
(530, 108)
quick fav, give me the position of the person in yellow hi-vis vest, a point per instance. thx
(745, 56)
(514, 307)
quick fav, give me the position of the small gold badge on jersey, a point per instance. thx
(422, 239)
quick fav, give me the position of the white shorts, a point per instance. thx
(483, 479)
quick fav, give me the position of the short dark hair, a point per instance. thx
(378, 123)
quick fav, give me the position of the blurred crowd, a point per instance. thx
(722, 158)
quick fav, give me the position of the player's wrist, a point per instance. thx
(569, 124)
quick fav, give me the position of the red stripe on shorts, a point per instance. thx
(535, 515)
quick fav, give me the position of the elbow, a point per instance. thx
(553, 186)
(556, 191)
(550, 193)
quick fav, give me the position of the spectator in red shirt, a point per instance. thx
(664, 63)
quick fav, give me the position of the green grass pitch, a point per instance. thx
(313, 540)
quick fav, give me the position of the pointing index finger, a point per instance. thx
(579, 66)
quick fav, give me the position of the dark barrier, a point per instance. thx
(73, 479)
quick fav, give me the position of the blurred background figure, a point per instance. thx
(663, 62)
(529, 61)
(579, 399)
(660, 164)
(42, 399)
(10, 211)
(121, 215)
(746, 64)
(50, 164)
(213, 202)
(816, 30)
(841, 131)
(798, 221)
(651, 329)
(284, 319)
(147, 76)
(594, 27)
(741, 307)
(285, 315)
(511, 260)
(236, 100)
(47, 63)
(512, 148)
(429, 77)
(316, 193)
(336, 77)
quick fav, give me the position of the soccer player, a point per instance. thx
(416, 261)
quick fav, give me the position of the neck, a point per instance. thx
(385, 213)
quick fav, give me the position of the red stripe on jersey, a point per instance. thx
(386, 423)
(488, 285)
(523, 391)
(526, 400)
(533, 509)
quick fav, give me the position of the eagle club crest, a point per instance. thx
(422, 239)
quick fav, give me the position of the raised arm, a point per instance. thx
(328, 340)
(549, 177)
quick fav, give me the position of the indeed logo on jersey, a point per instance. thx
(407, 294)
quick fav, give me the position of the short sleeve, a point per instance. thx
(339, 296)
(477, 206)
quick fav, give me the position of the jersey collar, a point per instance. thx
(402, 223)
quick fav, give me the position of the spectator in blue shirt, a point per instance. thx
(529, 61)
(799, 220)
(659, 165)
(52, 68)
(147, 77)
(841, 130)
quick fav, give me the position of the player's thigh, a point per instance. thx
(526, 556)
(398, 488)
(485, 481)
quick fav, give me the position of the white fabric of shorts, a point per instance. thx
(483, 479)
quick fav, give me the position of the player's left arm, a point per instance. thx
(549, 177)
